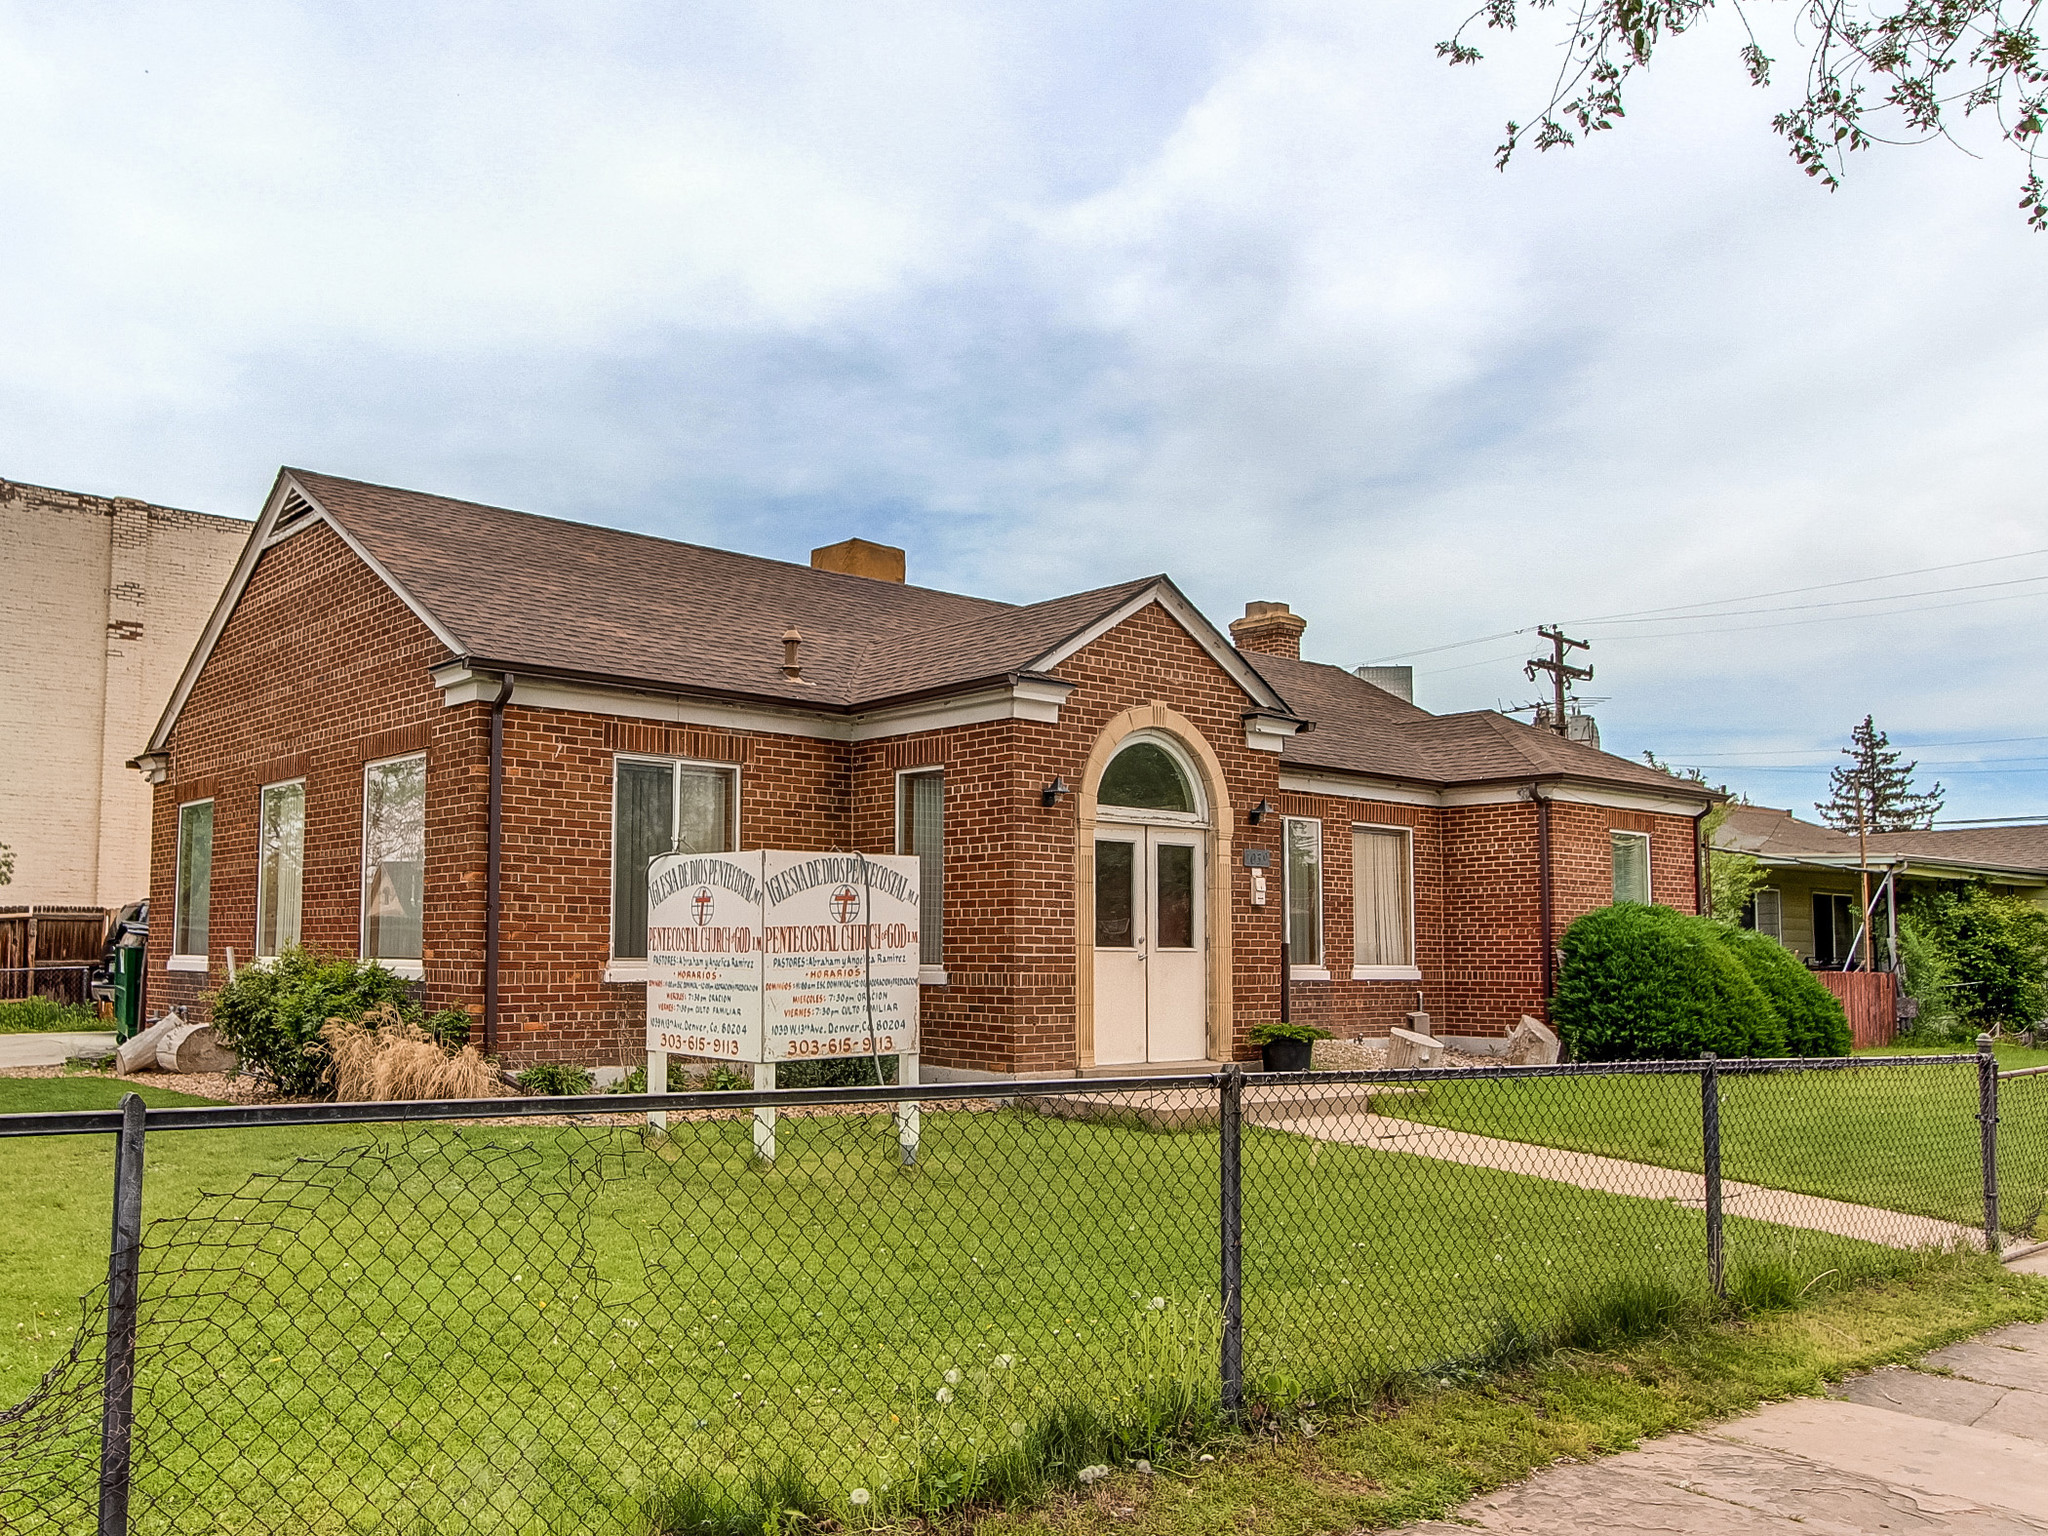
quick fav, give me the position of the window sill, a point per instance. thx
(186, 963)
(404, 970)
(931, 976)
(1386, 973)
(1309, 973)
(626, 972)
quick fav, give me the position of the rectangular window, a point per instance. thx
(394, 857)
(660, 806)
(280, 869)
(195, 879)
(921, 829)
(1631, 866)
(1115, 894)
(1768, 909)
(1304, 892)
(1383, 897)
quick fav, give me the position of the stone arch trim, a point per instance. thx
(1222, 819)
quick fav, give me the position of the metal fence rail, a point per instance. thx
(544, 1316)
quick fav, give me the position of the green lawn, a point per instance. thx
(1900, 1138)
(32, 1015)
(528, 1328)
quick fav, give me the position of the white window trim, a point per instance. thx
(927, 975)
(410, 970)
(1649, 880)
(1411, 971)
(261, 794)
(625, 968)
(178, 962)
(1189, 770)
(1321, 970)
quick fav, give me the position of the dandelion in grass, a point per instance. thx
(944, 1394)
(1158, 1303)
(1004, 1362)
(1016, 1431)
(953, 1378)
(1094, 1474)
(858, 1497)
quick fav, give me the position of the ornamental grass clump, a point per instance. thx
(383, 1057)
(1645, 983)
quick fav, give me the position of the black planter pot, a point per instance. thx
(1287, 1055)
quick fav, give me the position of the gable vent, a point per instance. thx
(295, 507)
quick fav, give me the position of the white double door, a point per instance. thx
(1151, 946)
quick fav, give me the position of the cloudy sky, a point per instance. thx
(1060, 293)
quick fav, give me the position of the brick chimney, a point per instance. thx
(857, 557)
(1272, 628)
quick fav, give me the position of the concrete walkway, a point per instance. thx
(54, 1048)
(1957, 1444)
(1612, 1175)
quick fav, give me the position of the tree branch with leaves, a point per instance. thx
(1885, 72)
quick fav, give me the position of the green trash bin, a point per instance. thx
(128, 989)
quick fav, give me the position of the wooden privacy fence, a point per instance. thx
(48, 951)
(1871, 999)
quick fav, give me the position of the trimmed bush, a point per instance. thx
(271, 1015)
(1644, 983)
(1810, 1016)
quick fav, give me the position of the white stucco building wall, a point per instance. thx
(103, 599)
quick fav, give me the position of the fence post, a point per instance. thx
(1987, 1121)
(124, 1276)
(1710, 1145)
(1230, 1121)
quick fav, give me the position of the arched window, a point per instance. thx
(1145, 777)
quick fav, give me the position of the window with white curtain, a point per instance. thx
(1383, 897)
(1304, 892)
(1631, 866)
(660, 806)
(280, 869)
(394, 858)
(921, 830)
(1769, 910)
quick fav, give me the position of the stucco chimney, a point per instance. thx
(857, 557)
(1273, 628)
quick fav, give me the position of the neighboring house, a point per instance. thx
(104, 600)
(1120, 812)
(1811, 899)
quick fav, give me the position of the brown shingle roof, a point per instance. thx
(573, 599)
(2023, 847)
(1366, 730)
(1775, 834)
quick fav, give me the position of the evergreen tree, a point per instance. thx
(1875, 779)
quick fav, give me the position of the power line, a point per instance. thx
(1840, 602)
(1832, 618)
(1972, 741)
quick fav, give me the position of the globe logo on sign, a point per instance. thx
(845, 903)
(700, 905)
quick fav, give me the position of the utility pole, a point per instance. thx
(1559, 672)
(1863, 863)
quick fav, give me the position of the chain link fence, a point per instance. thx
(548, 1317)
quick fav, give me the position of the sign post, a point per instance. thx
(769, 957)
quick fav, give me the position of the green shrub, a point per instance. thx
(558, 1079)
(1929, 981)
(835, 1072)
(1996, 949)
(722, 1077)
(35, 1015)
(1809, 1015)
(1265, 1034)
(1646, 983)
(271, 1014)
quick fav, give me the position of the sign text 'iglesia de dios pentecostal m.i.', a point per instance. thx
(774, 956)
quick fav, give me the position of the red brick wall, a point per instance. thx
(319, 669)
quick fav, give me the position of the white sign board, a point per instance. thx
(841, 934)
(765, 957)
(704, 960)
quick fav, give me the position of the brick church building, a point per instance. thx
(450, 736)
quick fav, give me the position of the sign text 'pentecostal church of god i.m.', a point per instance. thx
(776, 956)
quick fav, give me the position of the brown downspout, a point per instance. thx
(1702, 862)
(493, 845)
(1543, 891)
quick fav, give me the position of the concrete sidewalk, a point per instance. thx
(1615, 1176)
(54, 1048)
(1957, 1443)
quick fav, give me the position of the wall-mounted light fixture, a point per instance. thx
(1261, 811)
(1050, 795)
